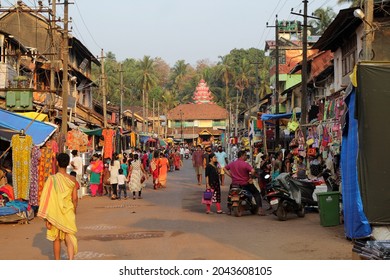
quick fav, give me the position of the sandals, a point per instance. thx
(220, 212)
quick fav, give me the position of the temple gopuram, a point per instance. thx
(202, 94)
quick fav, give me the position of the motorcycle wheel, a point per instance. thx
(301, 211)
(237, 211)
(281, 213)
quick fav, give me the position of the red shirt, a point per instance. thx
(239, 170)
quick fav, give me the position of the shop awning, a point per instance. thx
(34, 115)
(97, 132)
(11, 123)
(267, 117)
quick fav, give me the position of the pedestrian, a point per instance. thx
(301, 168)
(213, 183)
(58, 204)
(163, 170)
(197, 163)
(277, 164)
(137, 176)
(177, 160)
(124, 166)
(77, 165)
(287, 162)
(106, 179)
(114, 167)
(96, 167)
(155, 168)
(122, 180)
(222, 161)
(206, 156)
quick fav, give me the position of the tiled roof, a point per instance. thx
(198, 112)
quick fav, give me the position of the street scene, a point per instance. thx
(160, 135)
(172, 224)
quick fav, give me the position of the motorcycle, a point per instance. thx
(286, 194)
(187, 155)
(240, 200)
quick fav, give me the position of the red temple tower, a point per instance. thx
(202, 94)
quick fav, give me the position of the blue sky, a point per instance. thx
(179, 29)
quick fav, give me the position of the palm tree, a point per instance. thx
(226, 71)
(354, 3)
(146, 80)
(180, 70)
(242, 78)
(326, 16)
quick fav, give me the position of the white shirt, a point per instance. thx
(121, 179)
(114, 172)
(78, 165)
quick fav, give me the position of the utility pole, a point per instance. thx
(276, 26)
(236, 118)
(52, 59)
(65, 58)
(369, 35)
(121, 93)
(304, 69)
(104, 92)
(153, 116)
(304, 65)
(158, 116)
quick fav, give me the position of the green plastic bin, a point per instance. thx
(329, 207)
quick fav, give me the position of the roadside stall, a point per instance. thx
(27, 139)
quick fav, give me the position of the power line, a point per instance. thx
(89, 32)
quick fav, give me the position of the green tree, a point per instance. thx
(354, 3)
(225, 70)
(145, 81)
(326, 16)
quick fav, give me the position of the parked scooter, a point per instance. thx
(240, 200)
(285, 196)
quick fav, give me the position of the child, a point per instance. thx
(122, 184)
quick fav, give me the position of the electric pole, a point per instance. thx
(104, 92)
(369, 35)
(304, 68)
(121, 95)
(52, 58)
(65, 58)
(304, 65)
(276, 26)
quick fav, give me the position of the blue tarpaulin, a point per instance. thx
(267, 117)
(356, 224)
(11, 123)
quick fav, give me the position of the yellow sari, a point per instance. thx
(56, 207)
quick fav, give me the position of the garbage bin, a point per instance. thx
(329, 207)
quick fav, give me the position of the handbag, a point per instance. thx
(311, 152)
(143, 179)
(207, 195)
(293, 124)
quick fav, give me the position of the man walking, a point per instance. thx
(58, 208)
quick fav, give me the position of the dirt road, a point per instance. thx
(170, 224)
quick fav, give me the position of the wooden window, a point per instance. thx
(348, 52)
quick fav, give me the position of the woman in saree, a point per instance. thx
(177, 160)
(164, 167)
(58, 208)
(155, 169)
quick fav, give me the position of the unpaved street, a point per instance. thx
(171, 224)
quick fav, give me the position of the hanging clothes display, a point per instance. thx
(77, 140)
(35, 155)
(21, 158)
(108, 135)
(45, 166)
(118, 144)
(132, 140)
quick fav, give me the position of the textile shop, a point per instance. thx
(28, 150)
